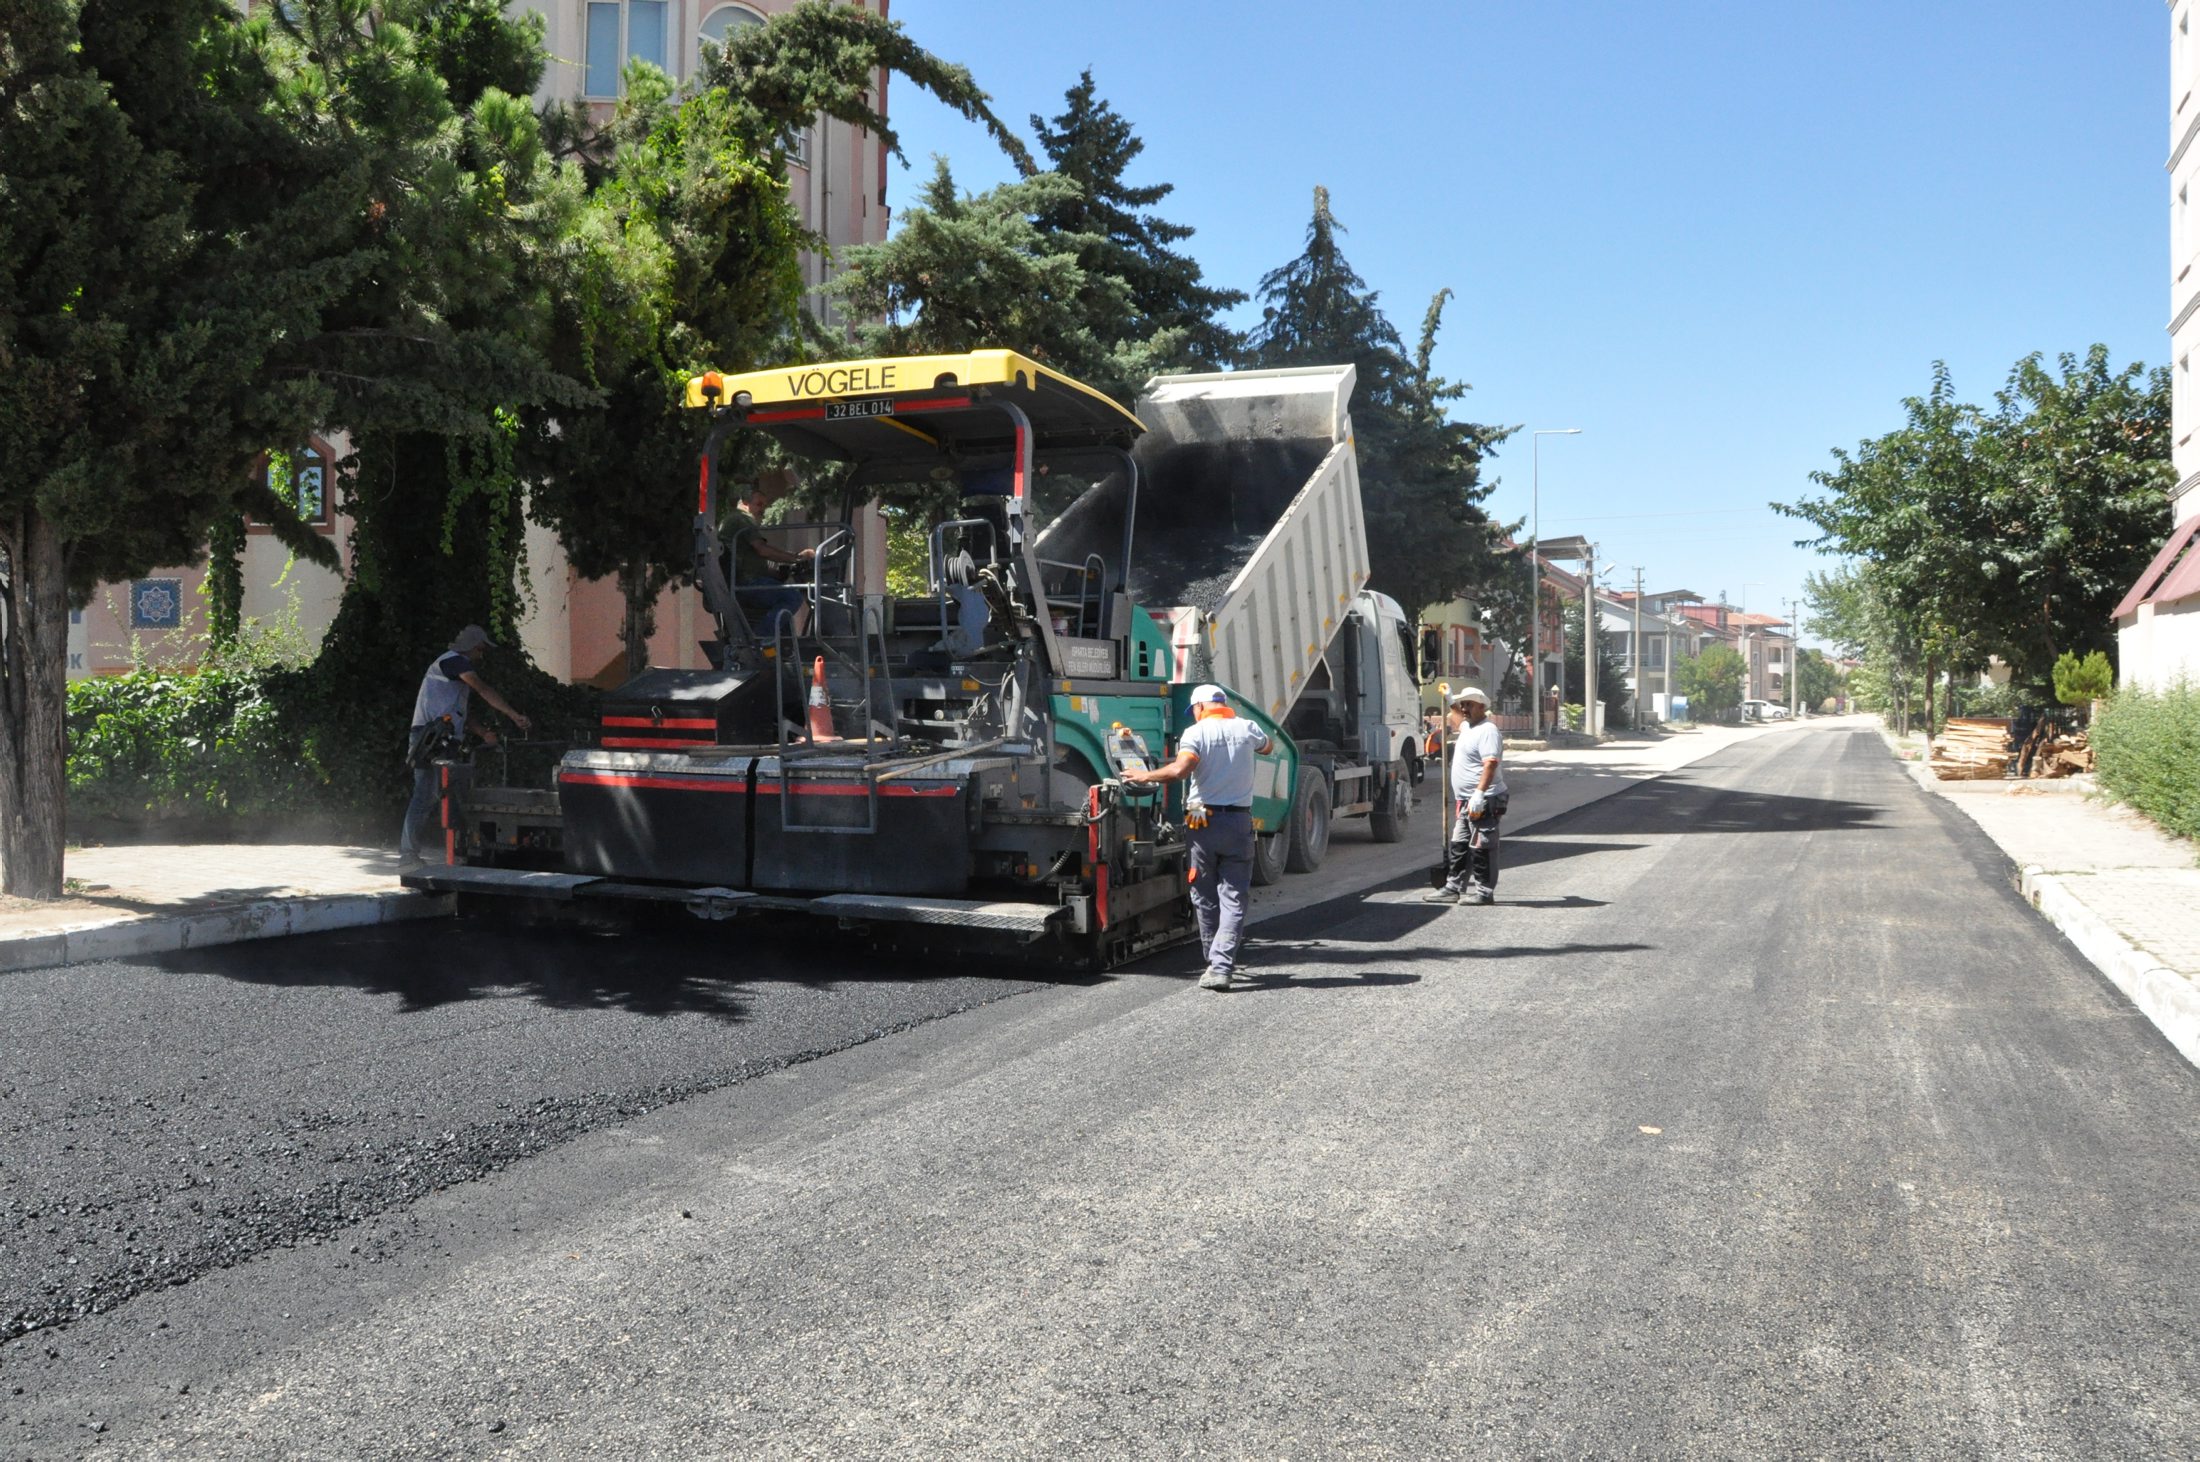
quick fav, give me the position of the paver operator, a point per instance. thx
(1478, 783)
(439, 725)
(1219, 753)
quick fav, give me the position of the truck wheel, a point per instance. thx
(1267, 859)
(1388, 821)
(1308, 840)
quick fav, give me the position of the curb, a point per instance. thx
(132, 936)
(2163, 996)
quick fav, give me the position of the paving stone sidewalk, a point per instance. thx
(130, 901)
(2123, 891)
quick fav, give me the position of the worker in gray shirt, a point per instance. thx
(439, 729)
(1219, 753)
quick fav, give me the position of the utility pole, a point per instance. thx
(1589, 643)
(1638, 647)
(1795, 661)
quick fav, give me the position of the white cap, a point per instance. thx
(1469, 693)
(1209, 695)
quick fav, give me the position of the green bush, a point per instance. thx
(1986, 700)
(2146, 749)
(2079, 681)
(157, 746)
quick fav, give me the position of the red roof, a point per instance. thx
(2168, 577)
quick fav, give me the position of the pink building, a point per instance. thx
(838, 180)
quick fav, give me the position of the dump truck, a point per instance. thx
(943, 769)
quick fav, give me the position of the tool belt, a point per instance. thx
(438, 741)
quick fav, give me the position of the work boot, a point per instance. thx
(1481, 896)
(1215, 980)
(1445, 895)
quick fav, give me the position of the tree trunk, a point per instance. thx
(34, 687)
(641, 614)
(1931, 669)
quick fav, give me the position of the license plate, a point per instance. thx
(852, 410)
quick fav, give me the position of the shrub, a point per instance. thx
(1986, 700)
(2146, 748)
(2079, 681)
(158, 746)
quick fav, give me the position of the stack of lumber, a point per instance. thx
(1971, 747)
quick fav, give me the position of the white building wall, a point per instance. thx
(2184, 252)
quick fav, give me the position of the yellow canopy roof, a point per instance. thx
(906, 405)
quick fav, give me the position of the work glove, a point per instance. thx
(1195, 813)
(1476, 803)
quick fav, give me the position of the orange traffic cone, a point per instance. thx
(821, 710)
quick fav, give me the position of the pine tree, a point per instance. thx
(967, 272)
(1116, 236)
(1420, 471)
(156, 242)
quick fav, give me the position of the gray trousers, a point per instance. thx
(1222, 875)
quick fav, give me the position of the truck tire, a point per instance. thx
(1267, 859)
(1307, 840)
(1388, 820)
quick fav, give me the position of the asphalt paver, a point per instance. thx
(1759, 1117)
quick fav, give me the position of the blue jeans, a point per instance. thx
(769, 603)
(1222, 877)
(427, 794)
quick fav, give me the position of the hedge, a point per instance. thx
(158, 746)
(2146, 747)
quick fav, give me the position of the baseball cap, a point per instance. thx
(1209, 695)
(1469, 693)
(472, 637)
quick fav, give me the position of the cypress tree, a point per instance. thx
(1420, 472)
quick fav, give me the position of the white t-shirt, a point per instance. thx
(1476, 745)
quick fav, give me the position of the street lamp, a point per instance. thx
(1535, 570)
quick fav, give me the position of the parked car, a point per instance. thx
(1764, 711)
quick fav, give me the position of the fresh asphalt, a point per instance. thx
(1759, 1118)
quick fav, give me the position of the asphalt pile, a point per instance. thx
(1203, 509)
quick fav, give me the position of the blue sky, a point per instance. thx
(1722, 239)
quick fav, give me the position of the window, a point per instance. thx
(307, 466)
(723, 22)
(620, 31)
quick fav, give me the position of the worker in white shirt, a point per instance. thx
(1478, 782)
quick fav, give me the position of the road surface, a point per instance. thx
(1759, 1117)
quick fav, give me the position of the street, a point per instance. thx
(1758, 1117)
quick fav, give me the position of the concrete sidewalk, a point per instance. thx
(125, 902)
(2123, 891)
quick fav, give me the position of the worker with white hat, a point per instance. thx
(1478, 782)
(1219, 752)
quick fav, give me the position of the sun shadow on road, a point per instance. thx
(650, 971)
(1679, 804)
(1323, 952)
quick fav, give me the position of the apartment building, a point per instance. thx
(2158, 620)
